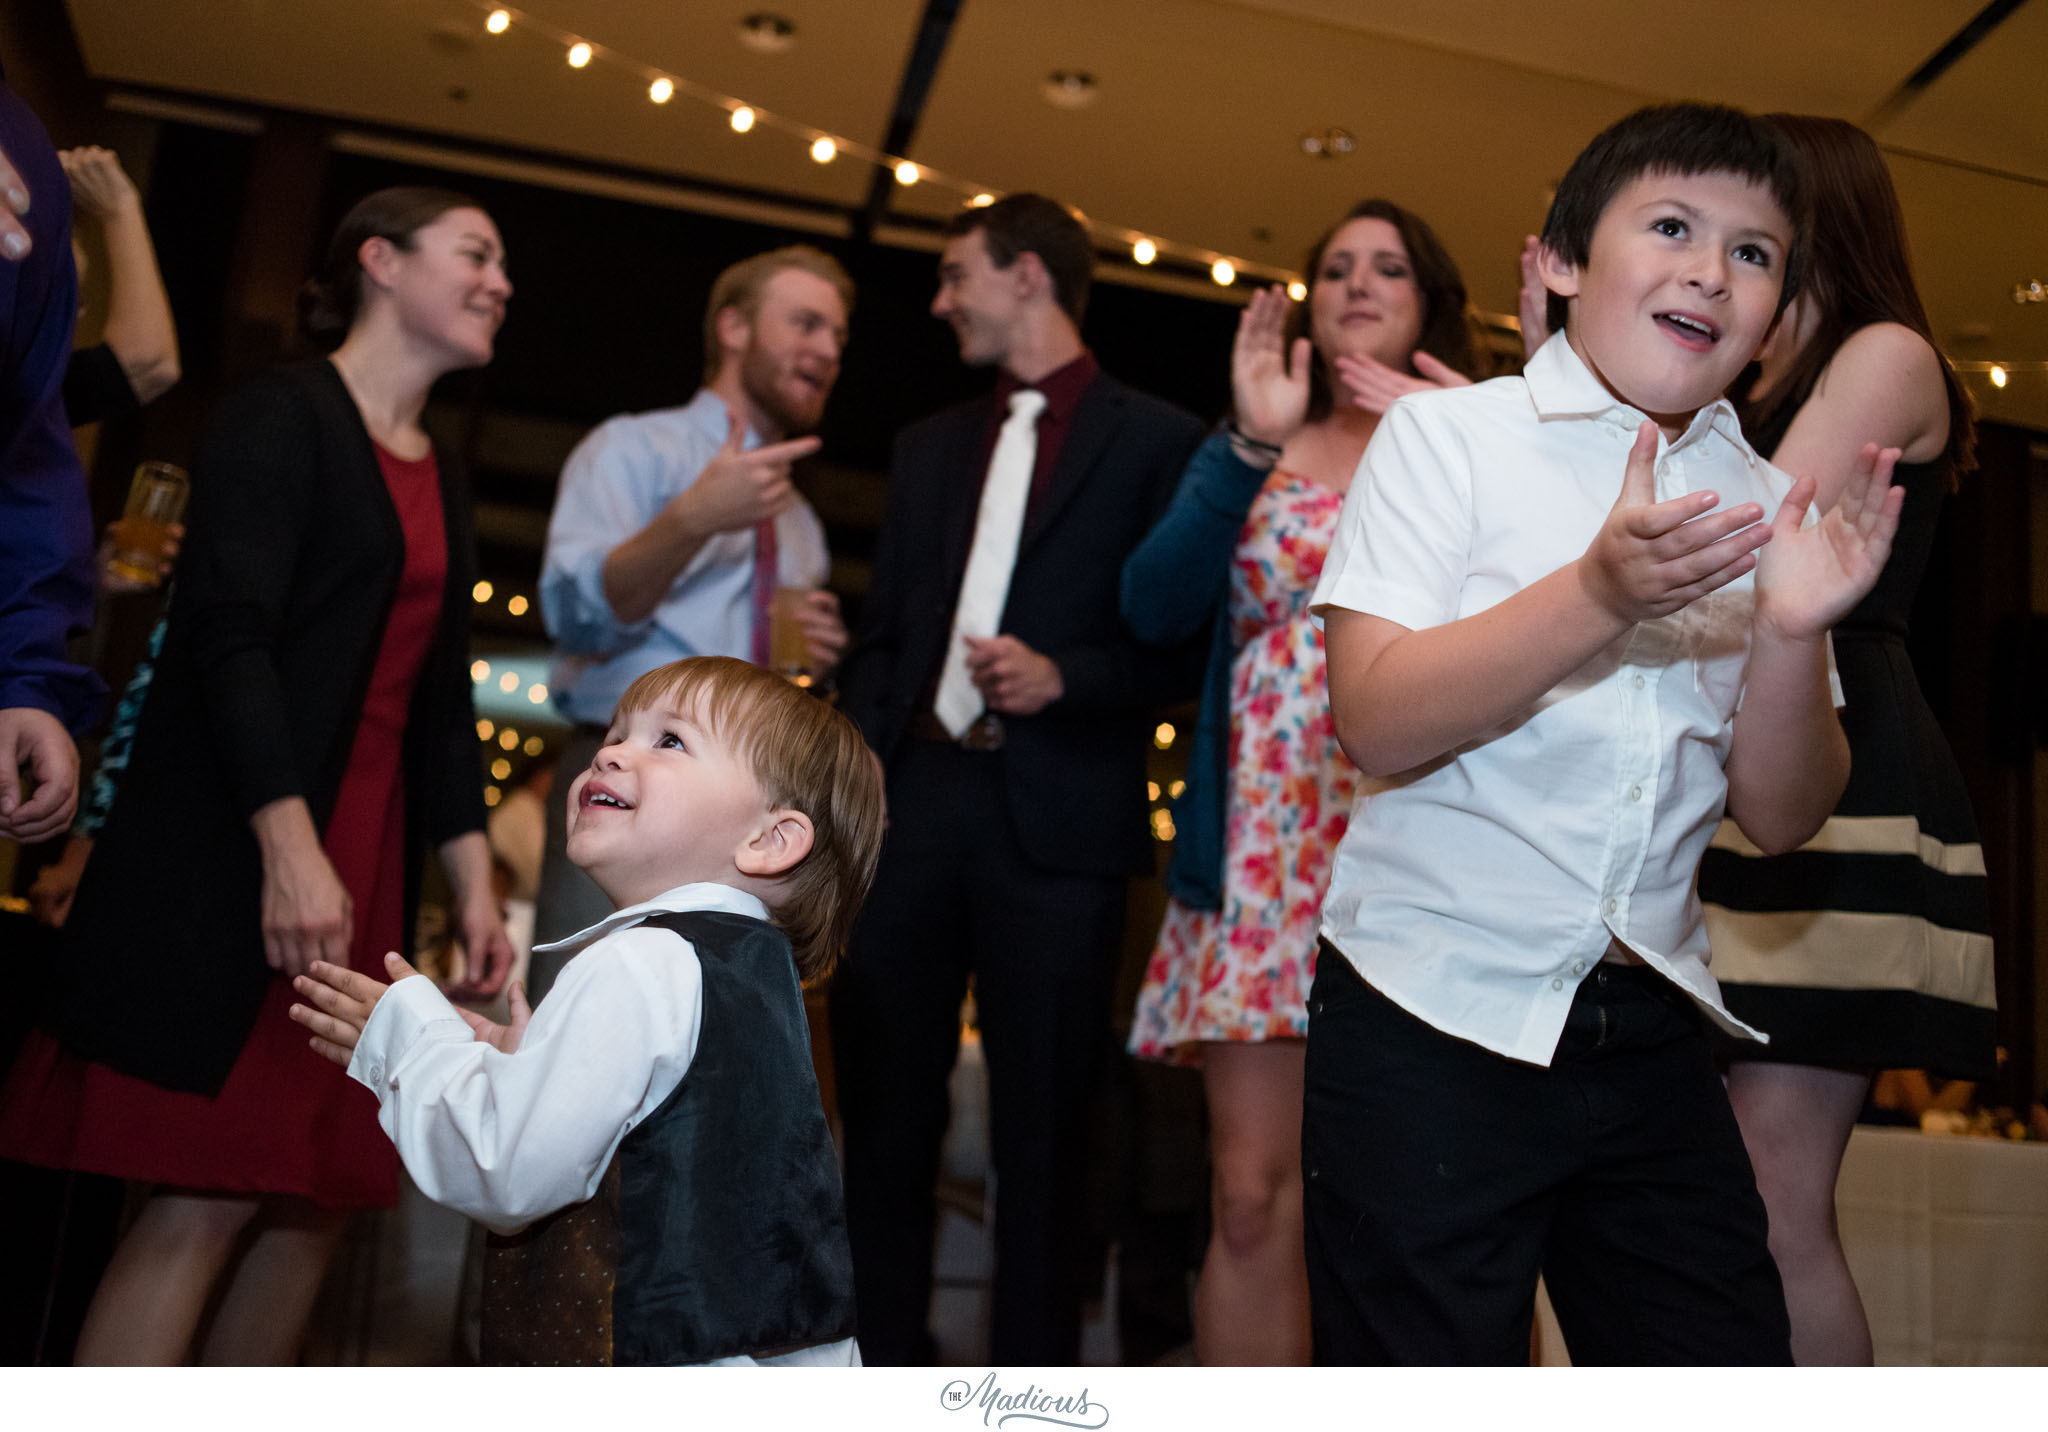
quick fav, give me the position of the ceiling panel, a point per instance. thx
(1813, 56)
(1195, 135)
(398, 61)
(1987, 109)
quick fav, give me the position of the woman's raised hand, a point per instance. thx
(1268, 376)
(1532, 301)
(1374, 386)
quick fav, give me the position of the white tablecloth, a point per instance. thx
(1948, 1242)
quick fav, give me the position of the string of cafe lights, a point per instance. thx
(663, 86)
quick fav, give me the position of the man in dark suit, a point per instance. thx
(1010, 707)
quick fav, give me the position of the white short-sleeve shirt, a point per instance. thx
(1479, 889)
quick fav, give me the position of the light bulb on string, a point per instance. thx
(824, 149)
(1998, 376)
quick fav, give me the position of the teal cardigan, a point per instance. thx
(1174, 582)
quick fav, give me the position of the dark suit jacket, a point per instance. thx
(1074, 773)
(282, 591)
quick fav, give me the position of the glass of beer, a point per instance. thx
(156, 503)
(789, 654)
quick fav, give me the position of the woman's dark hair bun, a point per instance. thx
(328, 301)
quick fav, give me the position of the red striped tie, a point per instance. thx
(764, 587)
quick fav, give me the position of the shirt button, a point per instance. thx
(1635, 793)
(1638, 682)
(1578, 967)
(1557, 984)
(1608, 907)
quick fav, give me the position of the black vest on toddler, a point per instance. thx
(718, 1228)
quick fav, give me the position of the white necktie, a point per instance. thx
(985, 586)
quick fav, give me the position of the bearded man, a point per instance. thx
(673, 530)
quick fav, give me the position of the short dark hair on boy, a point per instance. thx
(1033, 224)
(1673, 139)
(806, 756)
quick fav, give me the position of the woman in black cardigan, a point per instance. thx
(308, 731)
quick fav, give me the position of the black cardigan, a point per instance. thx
(287, 577)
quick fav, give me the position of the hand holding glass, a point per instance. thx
(156, 504)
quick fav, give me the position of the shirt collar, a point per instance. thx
(706, 413)
(1562, 386)
(704, 895)
(1062, 387)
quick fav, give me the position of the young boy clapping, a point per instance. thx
(648, 1148)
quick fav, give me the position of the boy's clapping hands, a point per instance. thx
(340, 1002)
(1809, 578)
(1652, 558)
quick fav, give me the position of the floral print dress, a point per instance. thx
(1243, 973)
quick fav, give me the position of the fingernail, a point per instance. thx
(16, 245)
(17, 198)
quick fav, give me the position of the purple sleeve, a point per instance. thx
(45, 522)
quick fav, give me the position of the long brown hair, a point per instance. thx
(1446, 326)
(1858, 272)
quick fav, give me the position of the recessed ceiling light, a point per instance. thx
(2031, 291)
(767, 33)
(1070, 89)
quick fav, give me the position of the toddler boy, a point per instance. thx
(648, 1149)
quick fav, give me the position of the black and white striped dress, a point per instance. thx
(1870, 946)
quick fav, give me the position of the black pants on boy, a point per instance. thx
(1441, 1178)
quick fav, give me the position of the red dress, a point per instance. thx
(287, 1121)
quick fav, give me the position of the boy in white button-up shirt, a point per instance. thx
(1569, 617)
(653, 1136)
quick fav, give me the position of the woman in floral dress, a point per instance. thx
(1268, 791)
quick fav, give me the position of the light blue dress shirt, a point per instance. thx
(612, 486)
